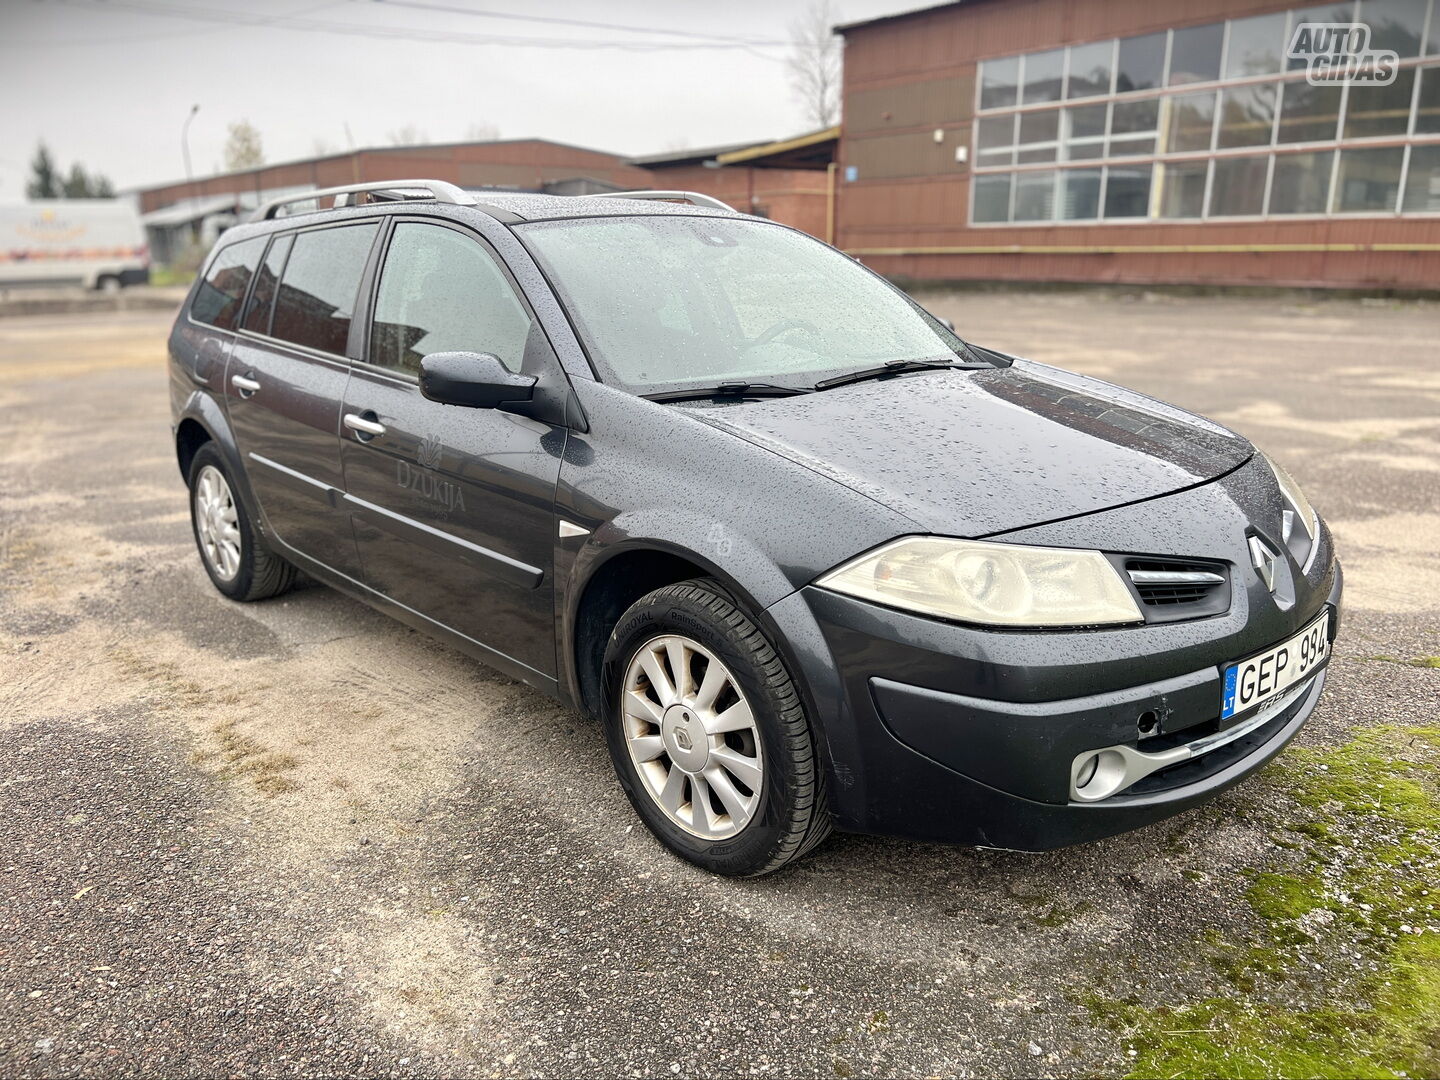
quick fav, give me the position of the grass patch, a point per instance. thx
(1368, 900)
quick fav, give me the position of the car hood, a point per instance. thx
(977, 452)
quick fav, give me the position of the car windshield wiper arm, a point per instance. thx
(727, 390)
(891, 367)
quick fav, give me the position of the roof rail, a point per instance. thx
(440, 191)
(694, 198)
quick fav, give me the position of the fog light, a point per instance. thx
(1098, 775)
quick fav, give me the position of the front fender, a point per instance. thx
(744, 570)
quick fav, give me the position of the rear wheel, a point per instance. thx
(108, 284)
(708, 734)
(234, 555)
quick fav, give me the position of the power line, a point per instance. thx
(236, 18)
(556, 20)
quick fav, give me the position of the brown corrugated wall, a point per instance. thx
(909, 77)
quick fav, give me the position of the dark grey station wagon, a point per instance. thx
(811, 559)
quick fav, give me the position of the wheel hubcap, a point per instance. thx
(216, 523)
(692, 737)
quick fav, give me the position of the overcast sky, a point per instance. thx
(109, 82)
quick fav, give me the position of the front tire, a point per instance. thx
(231, 549)
(709, 735)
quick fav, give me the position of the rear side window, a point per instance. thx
(442, 292)
(316, 299)
(262, 297)
(218, 299)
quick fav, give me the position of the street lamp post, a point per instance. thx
(185, 148)
(185, 151)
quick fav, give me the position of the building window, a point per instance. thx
(1238, 187)
(1195, 54)
(1140, 63)
(1127, 191)
(1090, 67)
(1422, 182)
(1301, 183)
(1369, 180)
(1043, 74)
(1210, 121)
(1182, 188)
(1079, 194)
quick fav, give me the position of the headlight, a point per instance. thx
(1300, 511)
(992, 584)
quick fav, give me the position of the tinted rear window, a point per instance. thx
(218, 299)
(317, 293)
(262, 297)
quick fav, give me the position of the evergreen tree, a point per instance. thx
(44, 180)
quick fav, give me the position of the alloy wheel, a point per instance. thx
(216, 523)
(692, 737)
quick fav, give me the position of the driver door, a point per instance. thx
(453, 507)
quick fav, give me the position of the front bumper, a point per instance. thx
(960, 735)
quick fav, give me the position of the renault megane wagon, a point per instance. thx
(812, 560)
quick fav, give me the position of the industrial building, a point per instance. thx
(1142, 141)
(787, 180)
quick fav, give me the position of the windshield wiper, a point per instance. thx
(890, 367)
(727, 390)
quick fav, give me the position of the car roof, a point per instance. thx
(532, 207)
(507, 207)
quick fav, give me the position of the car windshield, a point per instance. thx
(668, 302)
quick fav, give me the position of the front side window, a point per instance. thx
(441, 291)
(664, 301)
(316, 299)
(220, 294)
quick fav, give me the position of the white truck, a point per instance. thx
(97, 243)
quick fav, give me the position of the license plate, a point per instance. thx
(1251, 682)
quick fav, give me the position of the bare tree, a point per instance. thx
(242, 147)
(814, 63)
(407, 135)
(482, 131)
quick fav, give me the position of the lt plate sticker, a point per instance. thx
(1251, 682)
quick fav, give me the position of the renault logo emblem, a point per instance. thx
(682, 739)
(1264, 560)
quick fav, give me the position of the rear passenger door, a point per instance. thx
(286, 379)
(454, 507)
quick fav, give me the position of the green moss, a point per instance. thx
(1368, 818)
(1418, 661)
(1286, 896)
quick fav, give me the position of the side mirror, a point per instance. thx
(475, 380)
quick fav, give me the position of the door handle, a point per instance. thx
(244, 384)
(364, 425)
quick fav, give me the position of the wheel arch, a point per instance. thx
(202, 421)
(612, 582)
(609, 577)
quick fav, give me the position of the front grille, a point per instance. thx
(1179, 588)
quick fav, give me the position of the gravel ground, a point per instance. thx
(299, 838)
